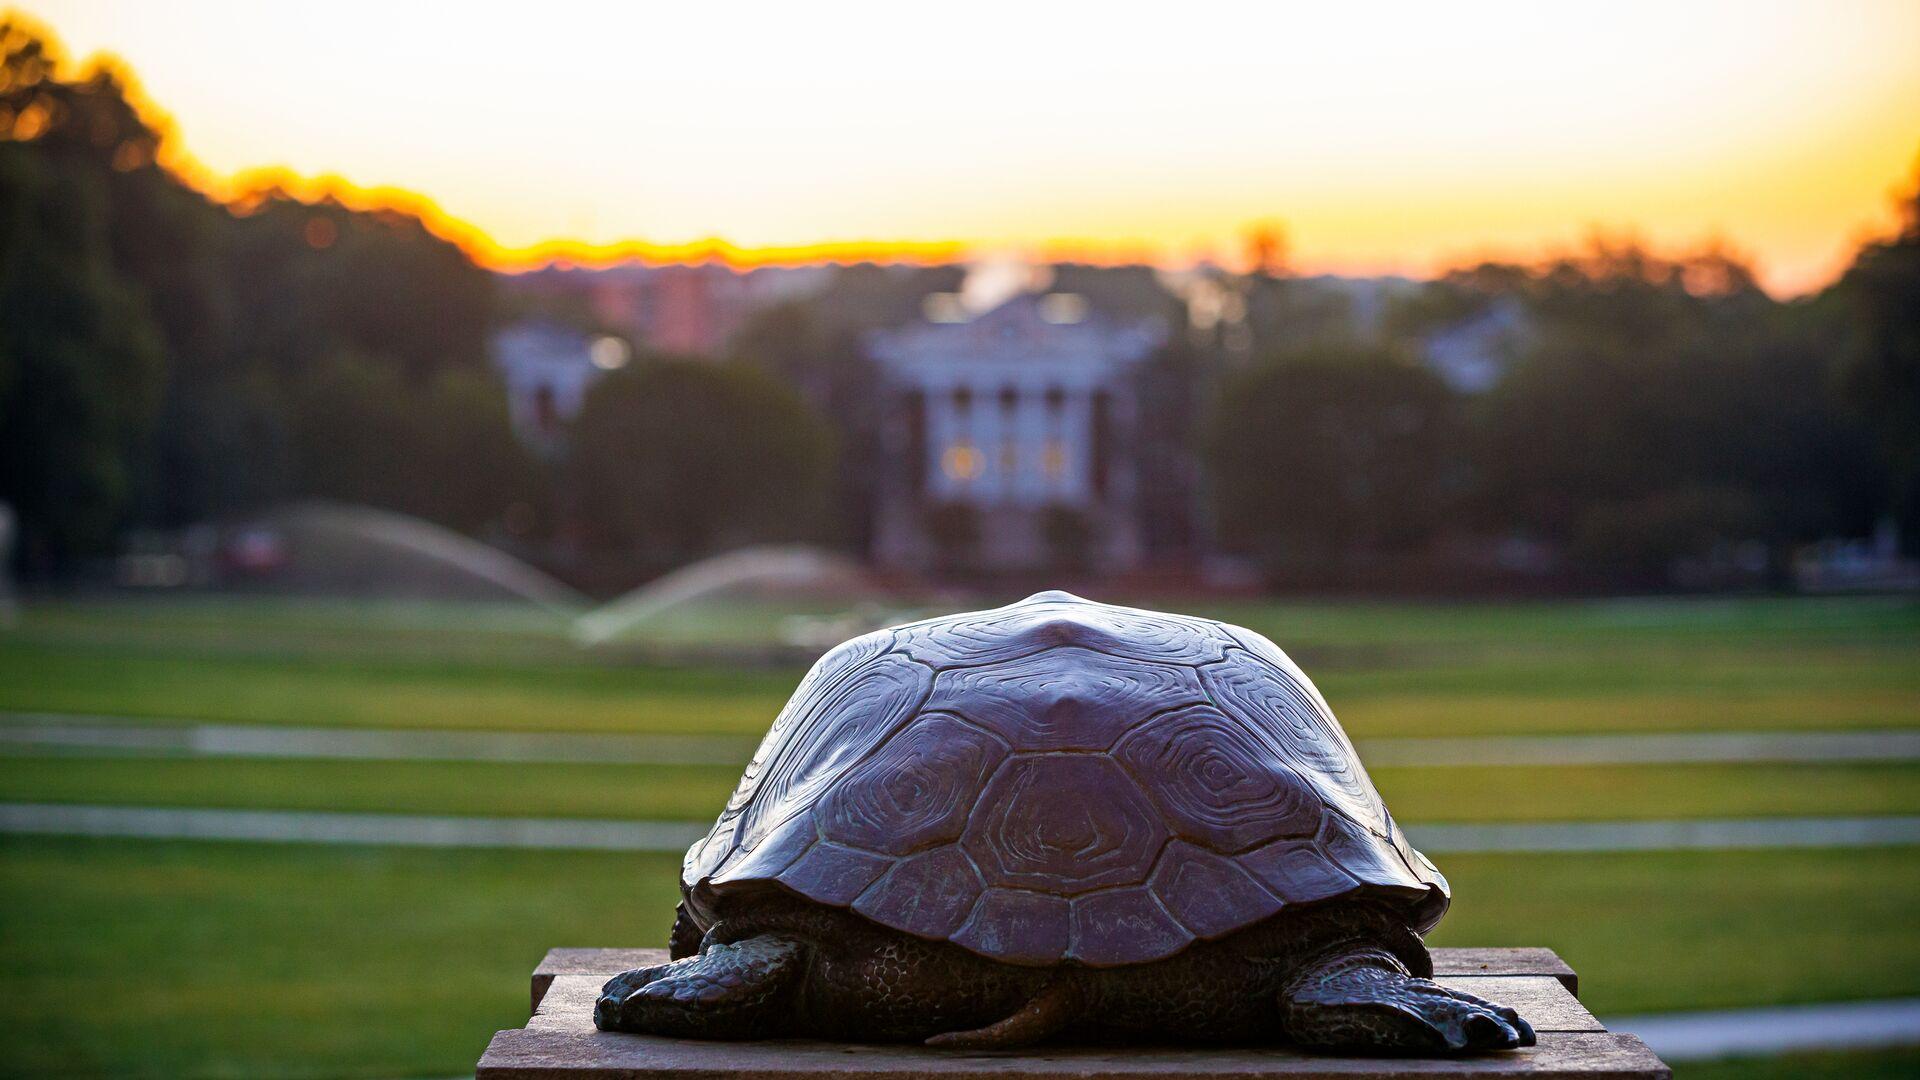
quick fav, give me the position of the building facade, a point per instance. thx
(547, 367)
(1008, 441)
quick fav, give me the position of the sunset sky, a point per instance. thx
(1387, 138)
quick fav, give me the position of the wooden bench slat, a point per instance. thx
(534, 1054)
(560, 1043)
(1505, 961)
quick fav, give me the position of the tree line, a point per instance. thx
(168, 359)
(1654, 420)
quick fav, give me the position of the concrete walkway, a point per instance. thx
(81, 734)
(418, 830)
(1701, 1036)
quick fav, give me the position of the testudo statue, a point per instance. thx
(1058, 819)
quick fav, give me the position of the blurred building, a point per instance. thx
(691, 310)
(1010, 437)
(1473, 354)
(547, 367)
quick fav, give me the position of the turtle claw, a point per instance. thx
(1379, 1009)
(1465, 1023)
(731, 990)
(624, 984)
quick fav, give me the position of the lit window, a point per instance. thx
(1054, 460)
(609, 353)
(962, 462)
(1063, 308)
(943, 308)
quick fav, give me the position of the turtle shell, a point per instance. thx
(1061, 781)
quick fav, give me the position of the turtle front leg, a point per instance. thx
(1364, 998)
(687, 934)
(737, 990)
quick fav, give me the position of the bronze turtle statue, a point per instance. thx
(1057, 819)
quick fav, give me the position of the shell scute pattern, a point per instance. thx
(1210, 894)
(1060, 781)
(1217, 782)
(704, 857)
(1361, 854)
(1019, 926)
(1064, 698)
(1272, 702)
(1124, 926)
(1297, 871)
(834, 874)
(916, 790)
(843, 723)
(929, 894)
(768, 859)
(1064, 824)
(1048, 620)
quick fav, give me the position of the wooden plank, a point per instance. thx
(1446, 963)
(605, 963)
(1490, 961)
(1545, 1002)
(533, 1054)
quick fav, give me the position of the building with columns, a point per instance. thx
(1008, 444)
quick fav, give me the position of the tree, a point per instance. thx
(1881, 295)
(817, 348)
(174, 344)
(674, 459)
(80, 361)
(1069, 537)
(954, 528)
(1664, 408)
(1329, 457)
(445, 452)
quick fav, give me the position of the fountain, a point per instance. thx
(785, 571)
(359, 550)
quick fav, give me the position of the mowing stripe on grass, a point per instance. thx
(1676, 835)
(419, 830)
(70, 733)
(405, 830)
(1652, 748)
(1701, 1036)
(111, 735)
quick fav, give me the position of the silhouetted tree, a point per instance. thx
(1324, 459)
(1880, 295)
(445, 451)
(674, 459)
(1664, 408)
(80, 361)
(232, 317)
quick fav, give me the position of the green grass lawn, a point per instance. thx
(698, 792)
(166, 958)
(385, 691)
(1894, 1064)
(1700, 930)
(1601, 666)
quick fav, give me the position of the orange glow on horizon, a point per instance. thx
(1794, 183)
